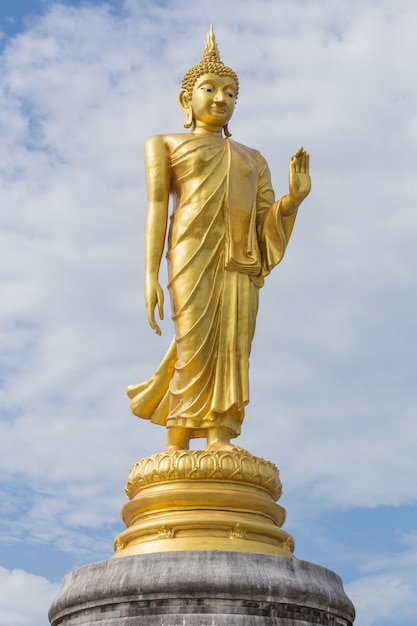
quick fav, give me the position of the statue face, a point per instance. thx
(213, 99)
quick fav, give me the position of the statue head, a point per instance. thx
(209, 64)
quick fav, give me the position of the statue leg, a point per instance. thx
(219, 439)
(178, 438)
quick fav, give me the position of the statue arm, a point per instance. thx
(275, 219)
(158, 187)
(299, 182)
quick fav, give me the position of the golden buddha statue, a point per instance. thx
(226, 234)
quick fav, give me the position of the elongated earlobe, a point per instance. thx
(226, 130)
(188, 114)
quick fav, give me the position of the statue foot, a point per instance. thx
(173, 448)
(223, 446)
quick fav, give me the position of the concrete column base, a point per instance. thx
(202, 588)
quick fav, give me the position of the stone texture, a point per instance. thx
(202, 588)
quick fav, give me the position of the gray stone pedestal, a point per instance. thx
(202, 588)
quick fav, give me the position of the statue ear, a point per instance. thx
(184, 98)
(185, 102)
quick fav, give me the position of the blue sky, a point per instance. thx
(333, 367)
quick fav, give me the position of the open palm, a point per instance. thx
(299, 176)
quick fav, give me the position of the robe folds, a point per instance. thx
(226, 234)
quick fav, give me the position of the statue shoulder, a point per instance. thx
(246, 150)
(167, 143)
(252, 155)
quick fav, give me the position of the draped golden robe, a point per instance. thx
(226, 234)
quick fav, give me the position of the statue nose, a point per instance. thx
(219, 95)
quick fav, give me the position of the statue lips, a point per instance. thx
(218, 110)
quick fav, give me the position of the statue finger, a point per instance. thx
(153, 324)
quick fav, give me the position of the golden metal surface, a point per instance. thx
(201, 500)
(237, 466)
(226, 234)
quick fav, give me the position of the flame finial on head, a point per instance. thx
(211, 49)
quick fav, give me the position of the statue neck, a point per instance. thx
(200, 128)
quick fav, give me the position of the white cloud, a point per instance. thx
(333, 367)
(36, 591)
(84, 95)
(394, 579)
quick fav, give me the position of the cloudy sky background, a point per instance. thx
(333, 369)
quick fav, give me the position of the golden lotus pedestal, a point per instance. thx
(203, 547)
(202, 500)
